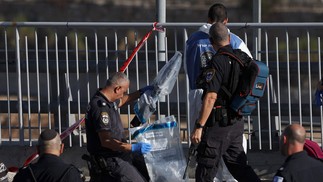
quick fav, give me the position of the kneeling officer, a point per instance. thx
(112, 158)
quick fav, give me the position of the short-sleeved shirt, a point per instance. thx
(102, 115)
(300, 167)
(218, 72)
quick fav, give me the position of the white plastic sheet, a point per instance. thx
(163, 85)
(166, 161)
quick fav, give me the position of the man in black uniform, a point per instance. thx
(222, 129)
(298, 167)
(49, 167)
(115, 159)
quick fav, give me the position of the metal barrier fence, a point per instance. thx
(49, 70)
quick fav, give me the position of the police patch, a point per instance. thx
(209, 74)
(278, 179)
(205, 57)
(105, 118)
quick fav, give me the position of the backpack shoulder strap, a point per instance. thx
(234, 74)
(233, 56)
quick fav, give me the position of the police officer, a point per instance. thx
(115, 159)
(298, 166)
(199, 51)
(49, 167)
(222, 130)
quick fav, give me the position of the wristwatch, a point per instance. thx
(198, 125)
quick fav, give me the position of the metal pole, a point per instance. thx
(257, 48)
(161, 18)
(257, 32)
(19, 106)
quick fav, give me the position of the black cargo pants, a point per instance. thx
(120, 170)
(226, 142)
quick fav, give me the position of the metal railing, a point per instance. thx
(49, 70)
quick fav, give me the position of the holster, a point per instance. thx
(220, 114)
(224, 120)
(106, 164)
(99, 164)
(92, 164)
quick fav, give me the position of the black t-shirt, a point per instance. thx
(218, 72)
(102, 115)
(49, 168)
(300, 167)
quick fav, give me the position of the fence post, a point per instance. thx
(161, 18)
(257, 32)
(19, 106)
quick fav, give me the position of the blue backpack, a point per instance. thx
(248, 82)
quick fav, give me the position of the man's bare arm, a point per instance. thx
(207, 106)
(108, 142)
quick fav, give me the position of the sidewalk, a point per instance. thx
(265, 163)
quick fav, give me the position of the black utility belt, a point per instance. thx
(221, 115)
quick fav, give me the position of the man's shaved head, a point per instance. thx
(295, 133)
(49, 141)
(219, 34)
(292, 139)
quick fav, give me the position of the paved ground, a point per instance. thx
(265, 163)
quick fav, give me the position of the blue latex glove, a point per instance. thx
(142, 148)
(144, 89)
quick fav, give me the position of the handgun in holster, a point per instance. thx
(107, 165)
(102, 163)
(218, 114)
(224, 117)
(94, 167)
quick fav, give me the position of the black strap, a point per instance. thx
(232, 56)
(226, 91)
(233, 84)
(32, 173)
